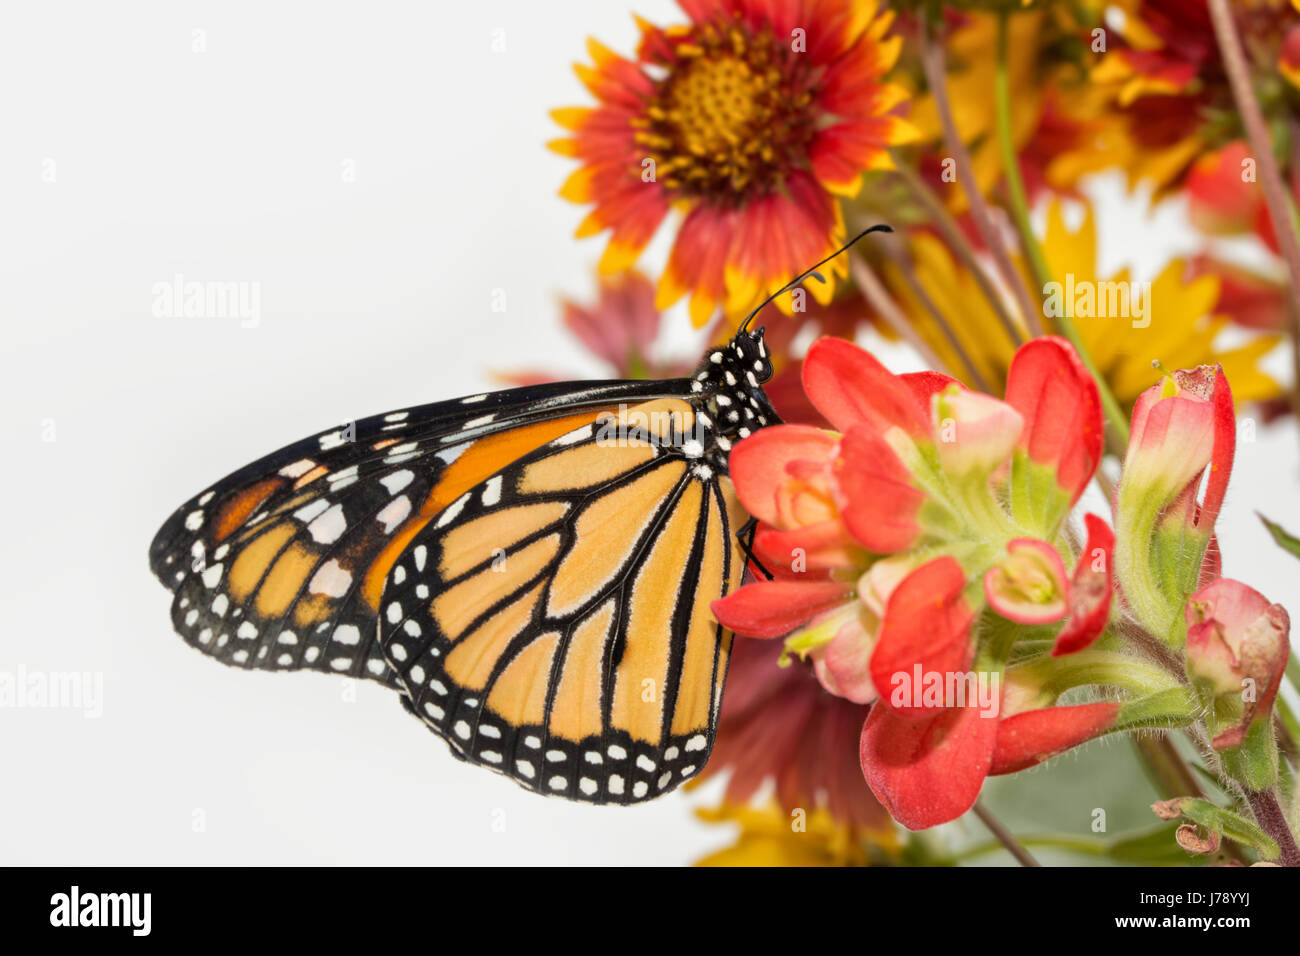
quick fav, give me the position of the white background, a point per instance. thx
(226, 165)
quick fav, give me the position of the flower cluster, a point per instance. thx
(922, 562)
(929, 603)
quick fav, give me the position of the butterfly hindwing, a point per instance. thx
(553, 623)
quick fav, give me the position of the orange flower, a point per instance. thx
(1169, 86)
(751, 120)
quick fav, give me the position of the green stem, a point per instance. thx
(1033, 250)
(1055, 675)
(1005, 837)
(1166, 768)
(1051, 841)
(1287, 716)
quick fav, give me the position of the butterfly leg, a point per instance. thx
(745, 535)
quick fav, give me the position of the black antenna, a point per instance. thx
(812, 272)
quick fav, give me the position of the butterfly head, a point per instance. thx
(728, 392)
(751, 354)
(741, 366)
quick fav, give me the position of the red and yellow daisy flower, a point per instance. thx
(750, 120)
(1169, 86)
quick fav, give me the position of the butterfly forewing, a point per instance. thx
(281, 565)
(554, 623)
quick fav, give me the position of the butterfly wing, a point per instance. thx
(281, 564)
(553, 622)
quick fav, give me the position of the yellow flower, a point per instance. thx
(1060, 124)
(1123, 326)
(770, 837)
(1179, 329)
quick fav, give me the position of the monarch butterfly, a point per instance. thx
(530, 569)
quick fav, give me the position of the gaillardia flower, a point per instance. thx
(1170, 88)
(779, 727)
(751, 120)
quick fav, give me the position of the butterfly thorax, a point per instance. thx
(727, 394)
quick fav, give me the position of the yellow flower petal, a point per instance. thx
(578, 187)
(570, 117)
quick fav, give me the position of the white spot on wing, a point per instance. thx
(329, 527)
(331, 440)
(298, 468)
(575, 436)
(449, 514)
(311, 509)
(348, 634)
(394, 513)
(212, 576)
(332, 580)
(397, 480)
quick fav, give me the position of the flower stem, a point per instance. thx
(1169, 772)
(1004, 835)
(874, 291)
(975, 377)
(1272, 820)
(1052, 841)
(963, 250)
(1270, 178)
(1042, 273)
(936, 75)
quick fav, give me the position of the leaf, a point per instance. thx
(1285, 540)
(1216, 820)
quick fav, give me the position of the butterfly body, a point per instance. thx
(531, 569)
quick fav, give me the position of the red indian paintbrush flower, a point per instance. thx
(1237, 649)
(891, 535)
(751, 119)
(1182, 428)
